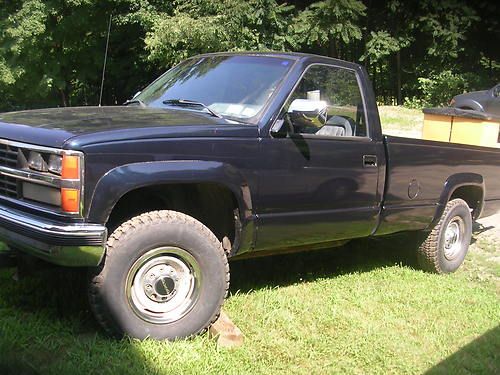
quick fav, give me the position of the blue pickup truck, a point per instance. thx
(226, 156)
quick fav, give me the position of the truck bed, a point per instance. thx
(416, 172)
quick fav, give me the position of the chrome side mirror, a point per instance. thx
(304, 112)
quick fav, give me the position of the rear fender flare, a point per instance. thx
(451, 185)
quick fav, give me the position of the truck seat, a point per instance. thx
(336, 126)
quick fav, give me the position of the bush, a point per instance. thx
(413, 103)
(438, 89)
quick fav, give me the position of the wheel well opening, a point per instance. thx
(473, 195)
(212, 204)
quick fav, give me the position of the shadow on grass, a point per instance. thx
(11, 364)
(362, 255)
(357, 256)
(46, 326)
(481, 356)
(62, 291)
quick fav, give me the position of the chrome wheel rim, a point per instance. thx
(163, 285)
(453, 237)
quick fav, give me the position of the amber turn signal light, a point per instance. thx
(70, 167)
(70, 200)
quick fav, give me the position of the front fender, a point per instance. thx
(121, 180)
(470, 103)
(453, 183)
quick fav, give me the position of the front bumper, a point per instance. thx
(72, 244)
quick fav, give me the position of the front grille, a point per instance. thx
(8, 186)
(8, 155)
(8, 158)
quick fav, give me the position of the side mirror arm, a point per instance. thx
(279, 129)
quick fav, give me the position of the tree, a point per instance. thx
(379, 47)
(199, 26)
(329, 26)
(51, 52)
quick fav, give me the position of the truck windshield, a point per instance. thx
(232, 86)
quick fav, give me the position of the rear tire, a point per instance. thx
(165, 276)
(446, 246)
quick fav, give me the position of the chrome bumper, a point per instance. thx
(72, 244)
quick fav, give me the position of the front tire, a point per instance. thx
(446, 246)
(165, 276)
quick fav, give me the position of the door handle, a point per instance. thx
(369, 161)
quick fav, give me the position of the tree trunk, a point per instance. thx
(398, 78)
(64, 99)
(332, 48)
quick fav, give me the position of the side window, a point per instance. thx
(327, 102)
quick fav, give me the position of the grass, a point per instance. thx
(400, 121)
(363, 308)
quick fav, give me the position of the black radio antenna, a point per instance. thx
(105, 60)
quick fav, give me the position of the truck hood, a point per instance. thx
(79, 126)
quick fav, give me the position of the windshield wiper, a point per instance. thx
(135, 101)
(190, 103)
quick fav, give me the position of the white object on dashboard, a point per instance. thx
(314, 95)
(306, 105)
(234, 109)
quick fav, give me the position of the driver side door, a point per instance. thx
(319, 184)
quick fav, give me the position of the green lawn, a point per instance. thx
(363, 308)
(400, 121)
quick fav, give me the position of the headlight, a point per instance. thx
(55, 164)
(58, 181)
(37, 162)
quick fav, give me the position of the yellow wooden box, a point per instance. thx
(460, 126)
(437, 128)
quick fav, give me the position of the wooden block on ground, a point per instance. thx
(225, 332)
